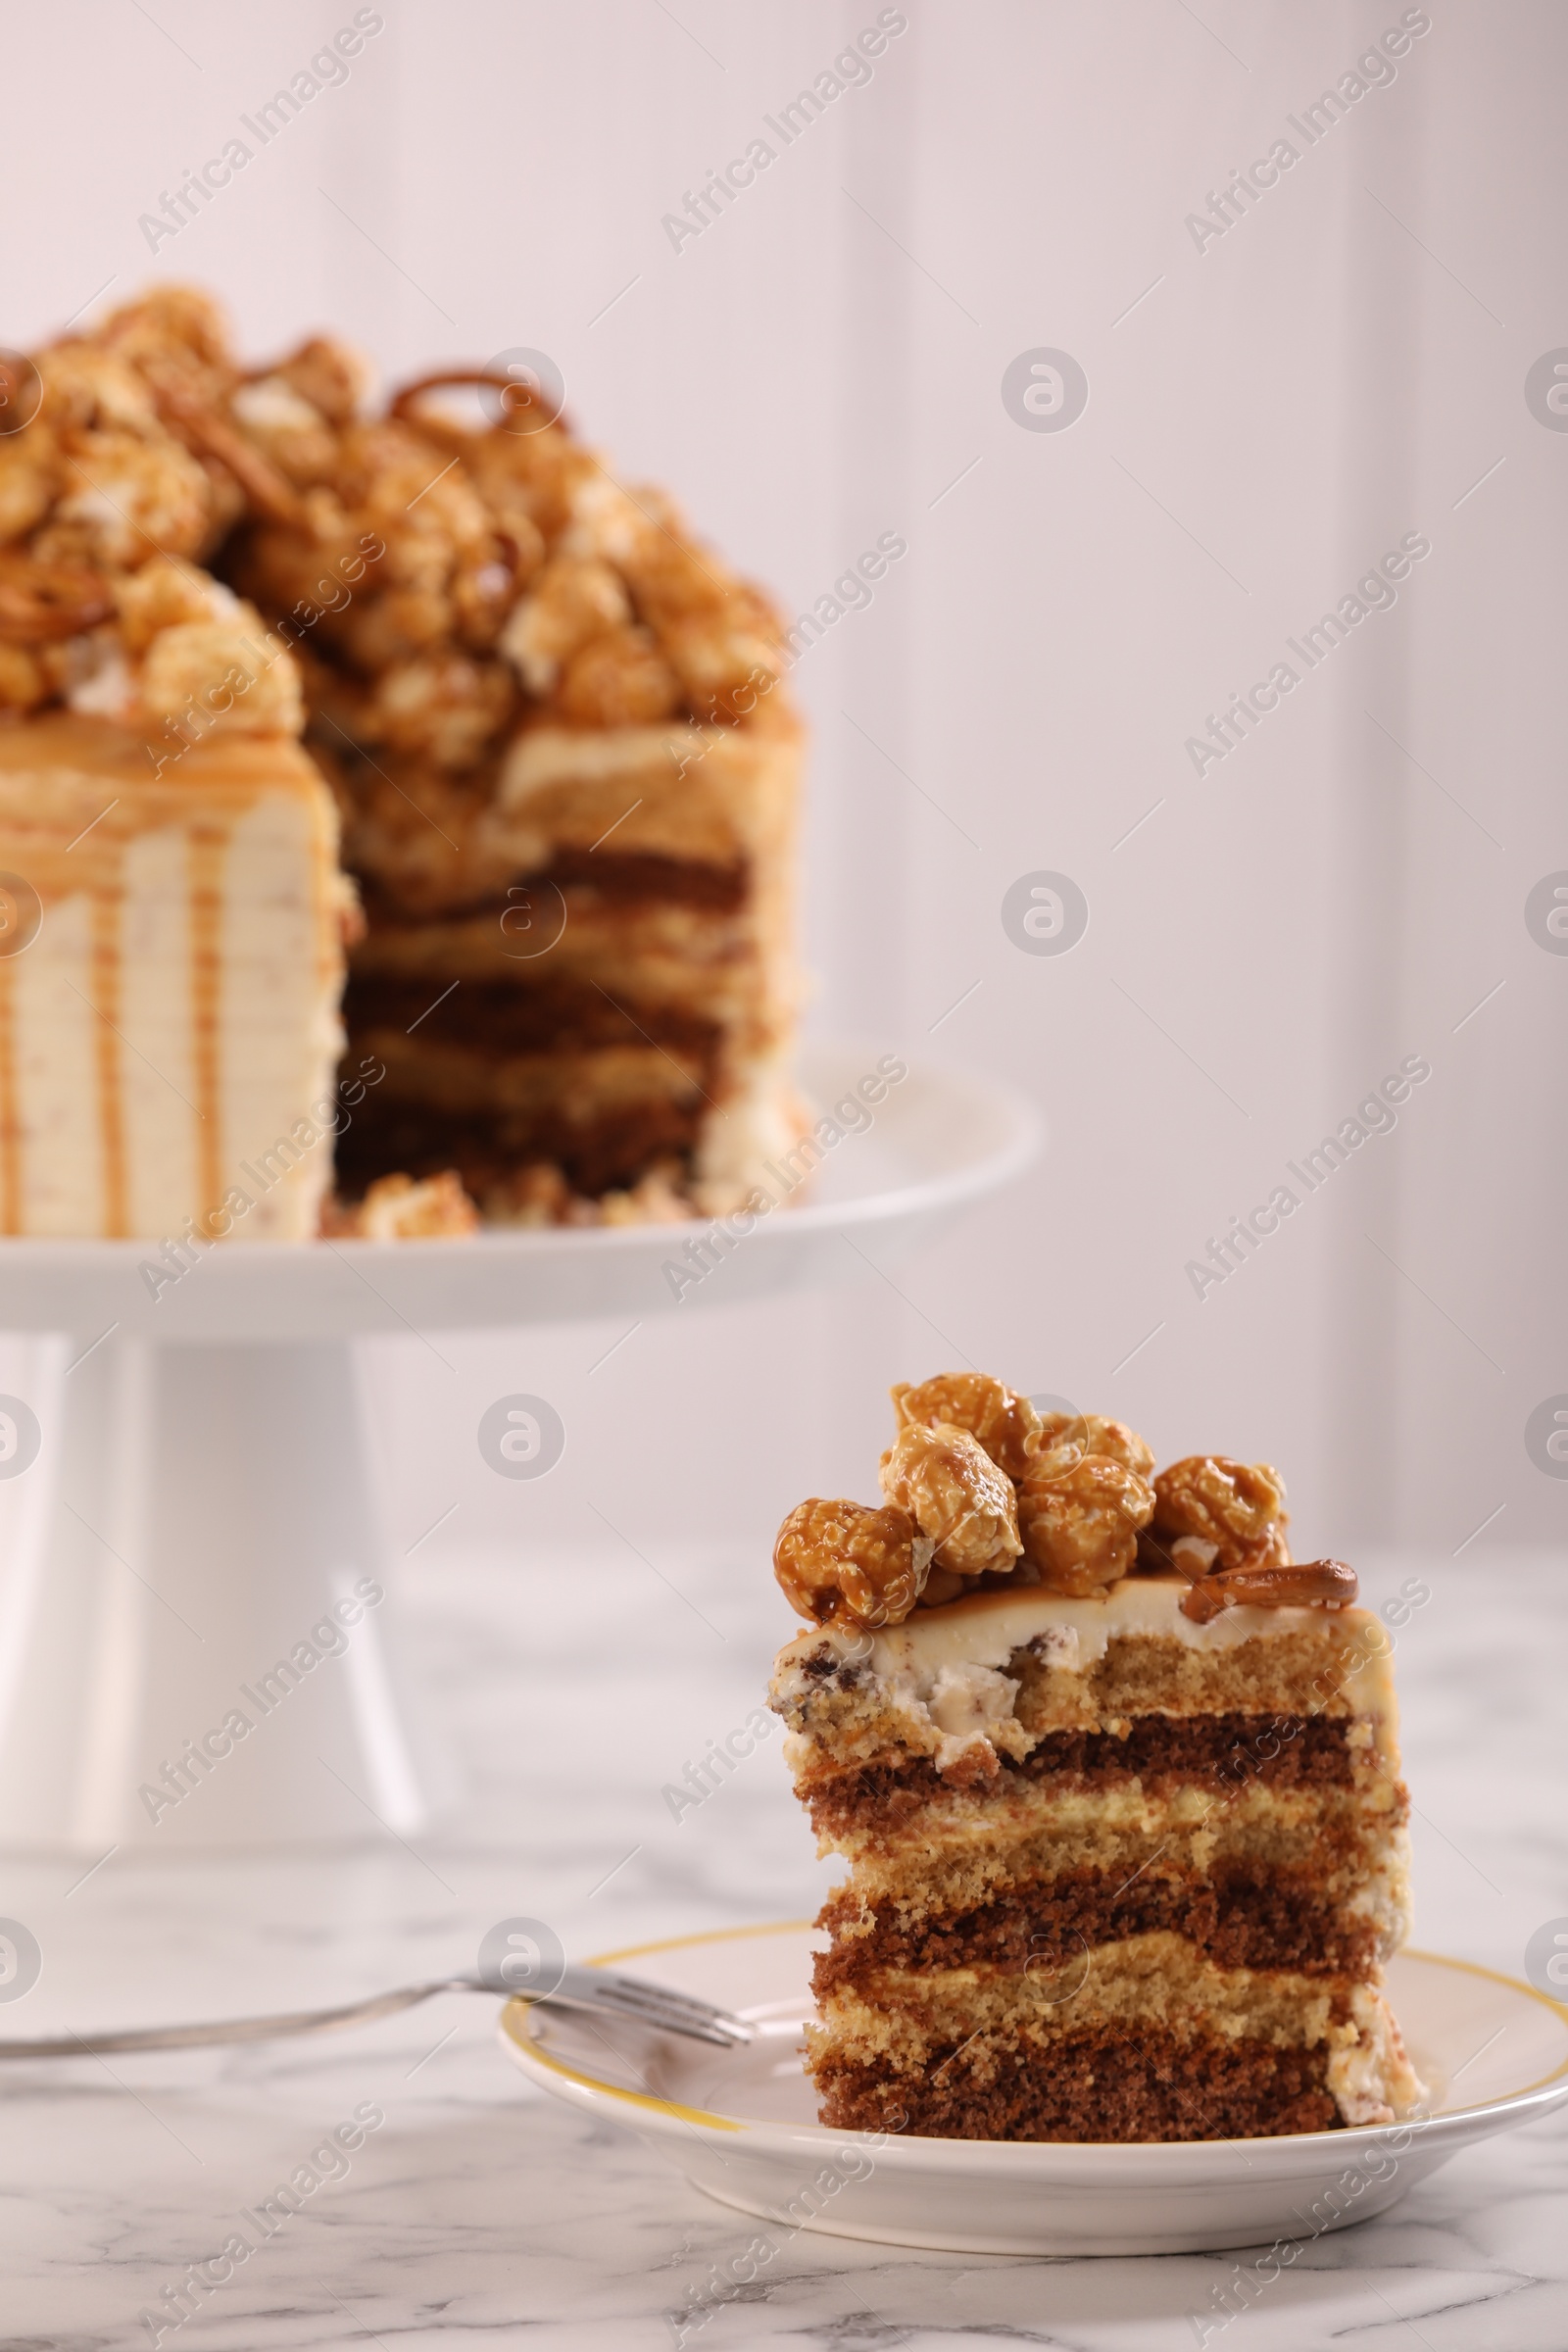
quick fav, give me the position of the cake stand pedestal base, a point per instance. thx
(198, 1623)
(197, 1637)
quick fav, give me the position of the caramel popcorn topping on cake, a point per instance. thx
(1080, 1523)
(1092, 1432)
(841, 1559)
(111, 496)
(983, 1489)
(453, 576)
(1002, 1421)
(957, 1495)
(1235, 1511)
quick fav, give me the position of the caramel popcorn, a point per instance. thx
(173, 337)
(574, 600)
(1239, 1507)
(291, 429)
(29, 476)
(123, 497)
(328, 375)
(242, 679)
(163, 593)
(1080, 1523)
(997, 1418)
(532, 1197)
(23, 680)
(443, 704)
(985, 1486)
(621, 679)
(396, 1209)
(107, 504)
(1092, 1432)
(720, 636)
(957, 1495)
(42, 604)
(435, 578)
(842, 1559)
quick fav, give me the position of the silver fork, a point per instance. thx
(597, 1989)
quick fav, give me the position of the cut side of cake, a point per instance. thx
(563, 1019)
(1124, 1864)
(570, 770)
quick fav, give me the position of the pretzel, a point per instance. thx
(259, 480)
(402, 404)
(1303, 1585)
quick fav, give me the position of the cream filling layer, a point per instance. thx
(966, 1644)
(1353, 1855)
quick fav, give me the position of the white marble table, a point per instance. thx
(479, 2212)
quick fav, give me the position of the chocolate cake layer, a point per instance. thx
(1222, 1752)
(595, 1154)
(1320, 1839)
(1097, 2085)
(549, 1015)
(688, 958)
(610, 880)
(1285, 1921)
(625, 880)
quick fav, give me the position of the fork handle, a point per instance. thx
(239, 2029)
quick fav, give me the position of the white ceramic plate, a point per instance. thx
(742, 2124)
(939, 1138)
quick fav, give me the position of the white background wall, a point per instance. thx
(820, 365)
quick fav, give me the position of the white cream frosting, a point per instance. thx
(1371, 2077)
(986, 1628)
(947, 1649)
(273, 1006)
(968, 1703)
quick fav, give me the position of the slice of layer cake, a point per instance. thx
(1127, 1846)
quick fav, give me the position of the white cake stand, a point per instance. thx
(187, 1502)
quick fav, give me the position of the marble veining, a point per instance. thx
(477, 2212)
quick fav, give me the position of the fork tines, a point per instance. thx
(654, 2005)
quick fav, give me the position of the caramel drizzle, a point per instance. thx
(106, 991)
(208, 846)
(234, 779)
(10, 1129)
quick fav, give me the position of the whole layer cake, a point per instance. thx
(553, 728)
(1118, 1787)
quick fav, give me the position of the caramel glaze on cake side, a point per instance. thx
(1125, 1832)
(192, 936)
